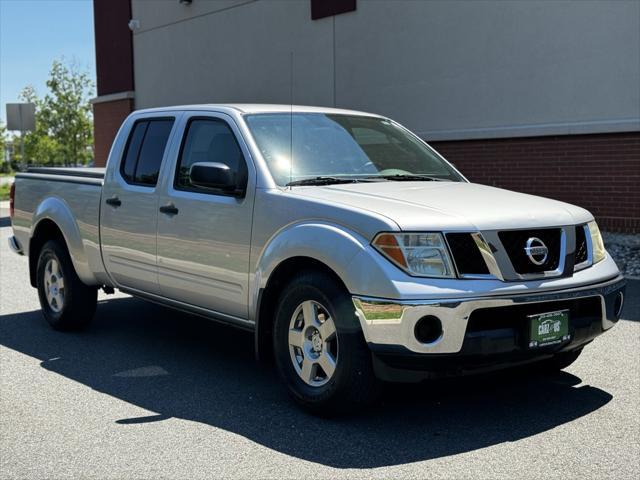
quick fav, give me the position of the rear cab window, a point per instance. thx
(144, 151)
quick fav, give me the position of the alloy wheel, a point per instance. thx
(313, 343)
(54, 285)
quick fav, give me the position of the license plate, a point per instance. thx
(548, 328)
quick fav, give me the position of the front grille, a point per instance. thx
(515, 241)
(466, 255)
(582, 253)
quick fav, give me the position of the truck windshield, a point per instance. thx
(343, 146)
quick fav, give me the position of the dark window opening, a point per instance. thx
(327, 8)
(128, 167)
(144, 151)
(209, 140)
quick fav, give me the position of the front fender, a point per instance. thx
(56, 210)
(333, 245)
(344, 251)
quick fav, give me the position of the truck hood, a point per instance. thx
(449, 205)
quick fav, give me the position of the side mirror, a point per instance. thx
(213, 175)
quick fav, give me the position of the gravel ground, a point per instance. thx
(625, 250)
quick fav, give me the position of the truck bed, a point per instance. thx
(72, 197)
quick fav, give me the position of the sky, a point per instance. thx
(33, 33)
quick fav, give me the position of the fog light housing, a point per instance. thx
(428, 329)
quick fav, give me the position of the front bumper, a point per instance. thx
(476, 328)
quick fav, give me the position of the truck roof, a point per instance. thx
(249, 108)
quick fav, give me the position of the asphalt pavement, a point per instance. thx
(147, 392)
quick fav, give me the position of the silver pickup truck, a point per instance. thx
(353, 250)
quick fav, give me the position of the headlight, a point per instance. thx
(596, 242)
(420, 254)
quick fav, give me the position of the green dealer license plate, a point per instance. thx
(548, 328)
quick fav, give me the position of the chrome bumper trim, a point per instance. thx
(15, 245)
(392, 322)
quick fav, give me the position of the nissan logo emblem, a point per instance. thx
(536, 251)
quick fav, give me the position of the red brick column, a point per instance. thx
(114, 72)
(107, 118)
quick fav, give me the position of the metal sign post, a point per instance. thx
(21, 117)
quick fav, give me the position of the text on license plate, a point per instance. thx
(548, 328)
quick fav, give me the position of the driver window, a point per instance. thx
(209, 140)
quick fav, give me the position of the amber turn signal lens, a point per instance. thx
(388, 244)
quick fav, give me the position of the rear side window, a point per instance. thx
(209, 140)
(128, 167)
(144, 152)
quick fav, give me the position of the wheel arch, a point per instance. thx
(309, 244)
(46, 230)
(269, 295)
(53, 220)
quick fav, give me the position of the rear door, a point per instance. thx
(204, 235)
(129, 211)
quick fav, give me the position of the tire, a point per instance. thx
(66, 302)
(558, 362)
(352, 383)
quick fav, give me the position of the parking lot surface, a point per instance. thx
(147, 392)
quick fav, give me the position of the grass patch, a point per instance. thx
(4, 192)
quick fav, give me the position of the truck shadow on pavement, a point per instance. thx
(176, 365)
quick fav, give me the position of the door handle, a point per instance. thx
(169, 209)
(113, 201)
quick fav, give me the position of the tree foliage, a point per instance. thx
(3, 132)
(64, 127)
(5, 166)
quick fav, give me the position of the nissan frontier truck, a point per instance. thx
(354, 251)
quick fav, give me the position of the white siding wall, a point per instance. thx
(447, 69)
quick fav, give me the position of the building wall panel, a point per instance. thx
(239, 54)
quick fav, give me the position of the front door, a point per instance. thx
(204, 234)
(129, 211)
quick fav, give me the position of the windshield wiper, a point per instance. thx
(408, 177)
(324, 180)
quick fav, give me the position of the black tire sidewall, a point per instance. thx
(49, 251)
(79, 299)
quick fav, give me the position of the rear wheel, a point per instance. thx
(66, 302)
(319, 348)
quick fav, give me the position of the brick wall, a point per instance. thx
(599, 172)
(114, 46)
(107, 118)
(114, 72)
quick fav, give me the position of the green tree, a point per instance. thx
(64, 127)
(40, 147)
(4, 165)
(2, 142)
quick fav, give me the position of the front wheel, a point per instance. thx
(319, 348)
(66, 302)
